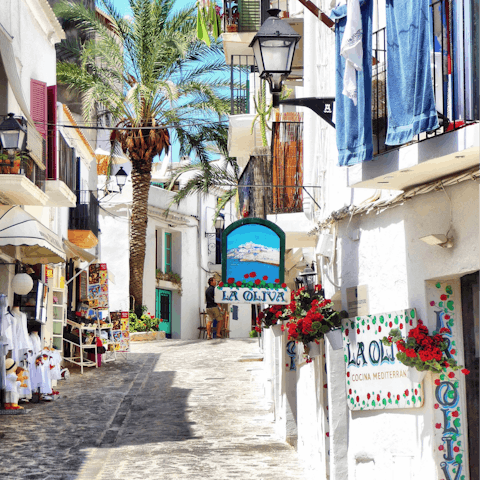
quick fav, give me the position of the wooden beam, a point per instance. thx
(318, 13)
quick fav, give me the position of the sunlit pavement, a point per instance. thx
(172, 409)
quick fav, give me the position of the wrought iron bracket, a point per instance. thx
(323, 107)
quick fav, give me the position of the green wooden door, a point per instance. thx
(163, 310)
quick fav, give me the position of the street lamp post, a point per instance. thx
(273, 46)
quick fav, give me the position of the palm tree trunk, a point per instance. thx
(138, 232)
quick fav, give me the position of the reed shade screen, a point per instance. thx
(288, 162)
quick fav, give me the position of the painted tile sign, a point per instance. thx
(253, 252)
(449, 407)
(375, 379)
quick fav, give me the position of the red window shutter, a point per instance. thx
(38, 106)
(52, 173)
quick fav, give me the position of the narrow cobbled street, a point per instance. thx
(174, 409)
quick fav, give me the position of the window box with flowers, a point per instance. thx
(422, 352)
(169, 280)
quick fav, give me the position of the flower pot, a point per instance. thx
(416, 376)
(312, 349)
(277, 330)
(232, 28)
(335, 338)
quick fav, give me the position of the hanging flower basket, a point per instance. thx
(335, 338)
(277, 330)
(312, 349)
(416, 376)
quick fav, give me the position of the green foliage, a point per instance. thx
(253, 333)
(146, 322)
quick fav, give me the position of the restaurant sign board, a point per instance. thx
(375, 379)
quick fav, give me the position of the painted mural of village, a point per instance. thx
(251, 252)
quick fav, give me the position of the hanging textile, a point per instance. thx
(353, 118)
(411, 103)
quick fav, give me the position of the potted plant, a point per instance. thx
(311, 317)
(172, 277)
(231, 19)
(422, 352)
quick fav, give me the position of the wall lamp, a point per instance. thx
(121, 179)
(219, 225)
(439, 240)
(273, 47)
(13, 133)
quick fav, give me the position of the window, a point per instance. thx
(168, 252)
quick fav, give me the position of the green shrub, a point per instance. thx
(146, 322)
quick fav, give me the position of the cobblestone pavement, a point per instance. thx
(175, 409)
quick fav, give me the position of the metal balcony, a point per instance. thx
(83, 220)
(455, 85)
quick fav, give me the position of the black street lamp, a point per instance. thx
(13, 133)
(273, 46)
(307, 277)
(121, 177)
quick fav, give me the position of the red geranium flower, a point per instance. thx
(277, 280)
(220, 284)
(265, 277)
(253, 274)
(246, 275)
(284, 285)
(231, 280)
(239, 283)
(258, 281)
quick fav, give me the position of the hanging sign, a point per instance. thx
(375, 379)
(253, 255)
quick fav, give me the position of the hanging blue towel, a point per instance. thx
(411, 104)
(353, 123)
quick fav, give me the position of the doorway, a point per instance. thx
(470, 314)
(163, 310)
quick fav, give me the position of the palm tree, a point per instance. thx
(209, 177)
(160, 83)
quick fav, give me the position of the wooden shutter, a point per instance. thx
(38, 106)
(52, 173)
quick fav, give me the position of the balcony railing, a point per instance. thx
(67, 164)
(241, 68)
(85, 215)
(22, 165)
(453, 58)
(272, 180)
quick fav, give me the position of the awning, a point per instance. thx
(37, 243)
(75, 252)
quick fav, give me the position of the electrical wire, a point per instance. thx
(157, 127)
